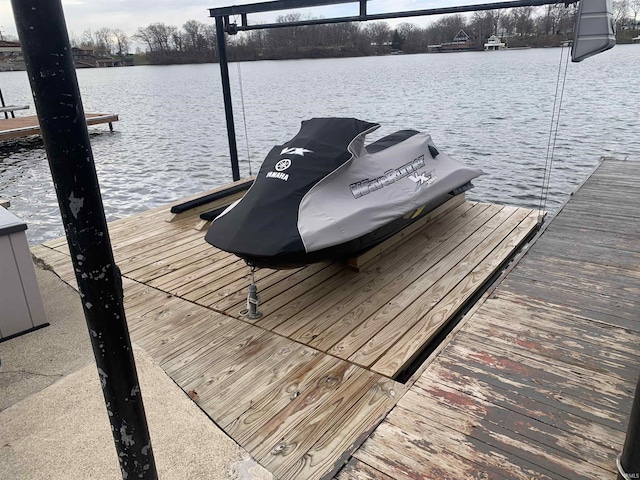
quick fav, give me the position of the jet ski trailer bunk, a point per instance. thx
(324, 195)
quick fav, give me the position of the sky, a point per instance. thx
(128, 15)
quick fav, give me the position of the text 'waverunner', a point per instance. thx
(325, 195)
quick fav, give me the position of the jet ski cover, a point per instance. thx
(324, 188)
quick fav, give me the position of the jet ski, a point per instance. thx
(326, 195)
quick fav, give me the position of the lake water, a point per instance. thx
(489, 109)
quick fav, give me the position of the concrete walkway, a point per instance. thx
(53, 420)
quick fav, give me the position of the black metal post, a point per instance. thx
(226, 93)
(47, 53)
(3, 104)
(630, 457)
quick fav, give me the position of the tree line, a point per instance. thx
(159, 43)
(195, 42)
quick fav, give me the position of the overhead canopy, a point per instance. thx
(224, 24)
(261, 7)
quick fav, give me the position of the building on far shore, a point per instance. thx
(462, 42)
(87, 57)
(83, 57)
(10, 56)
(494, 43)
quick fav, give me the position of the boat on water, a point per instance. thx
(326, 195)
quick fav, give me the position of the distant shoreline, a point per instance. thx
(142, 60)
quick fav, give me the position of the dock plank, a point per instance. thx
(538, 380)
(297, 441)
(296, 408)
(308, 326)
(392, 321)
(230, 400)
(19, 127)
(340, 320)
(331, 449)
(394, 359)
(501, 403)
(306, 378)
(360, 470)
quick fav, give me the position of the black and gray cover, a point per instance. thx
(324, 194)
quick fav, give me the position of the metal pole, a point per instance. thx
(47, 53)
(3, 104)
(226, 93)
(629, 460)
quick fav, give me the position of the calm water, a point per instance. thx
(491, 110)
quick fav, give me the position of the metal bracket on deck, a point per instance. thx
(621, 471)
(253, 299)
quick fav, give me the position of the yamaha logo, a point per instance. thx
(283, 164)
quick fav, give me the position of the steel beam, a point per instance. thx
(226, 94)
(362, 17)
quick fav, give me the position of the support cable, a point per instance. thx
(244, 116)
(553, 133)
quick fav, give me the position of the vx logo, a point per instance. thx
(295, 151)
(420, 179)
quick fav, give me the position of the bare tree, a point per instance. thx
(507, 23)
(121, 46)
(483, 25)
(523, 20)
(143, 35)
(87, 39)
(178, 41)
(104, 41)
(194, 37)
(413, 38)
(446, 28)
(158, 37)
(620, 12)
(210, 38)
(343, 34)
(634, 5)
(379, 33)
(74, 40)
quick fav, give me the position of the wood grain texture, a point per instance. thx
(357, 263)
(538, 382)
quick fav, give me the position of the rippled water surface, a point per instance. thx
(489, 109)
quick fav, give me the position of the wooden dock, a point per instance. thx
(305, 385)
(538, 382)
(19, 127)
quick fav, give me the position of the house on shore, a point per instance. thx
(462, 42)
(83, 57)
(10, 56)
(494, 43)
(87, 57)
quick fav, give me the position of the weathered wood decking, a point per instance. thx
(308, 382)
(538, 382)
(11, 128)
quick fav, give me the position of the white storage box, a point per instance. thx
(21, 308)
